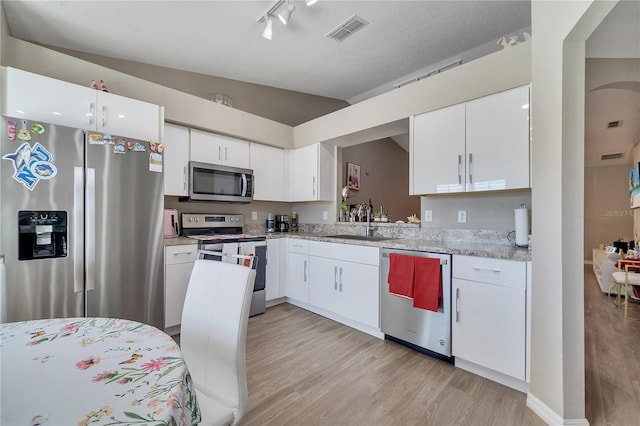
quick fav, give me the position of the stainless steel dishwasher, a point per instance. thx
(422, 330)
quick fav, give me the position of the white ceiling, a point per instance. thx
(222, 38)
(404, 39)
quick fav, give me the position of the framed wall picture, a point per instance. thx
(353, 176)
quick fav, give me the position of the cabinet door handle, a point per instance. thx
(335, 277)
(457, 310)
(305, 271)
(478, 268)
(341, 279)
(459, 165)
(219, 153)
(104, 116)
(92, 112)
(225, 154)
(314, 186)
(184, 178)
(470, 163)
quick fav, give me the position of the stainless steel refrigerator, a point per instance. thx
(81, 224)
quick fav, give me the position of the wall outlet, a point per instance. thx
(254, 215)
(462, 216)
(428, 215)
(325, 215)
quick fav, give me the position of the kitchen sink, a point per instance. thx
(358, 237)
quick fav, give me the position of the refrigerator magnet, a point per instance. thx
(108, 139)
(119, 148)
(155, 162)
(138, 147)
(23, 134)
(153, 146)
(31, 164)
(37, 129)
(11, 130)
(160, 148)
(96, 139)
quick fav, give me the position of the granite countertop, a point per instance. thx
(497, 251)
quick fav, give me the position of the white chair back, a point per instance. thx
(214, 328)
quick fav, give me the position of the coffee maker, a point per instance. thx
(282, 223)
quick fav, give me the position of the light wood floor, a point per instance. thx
(304, 369)
(612, 360)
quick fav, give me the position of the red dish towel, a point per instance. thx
(401, 274)
(427, 290)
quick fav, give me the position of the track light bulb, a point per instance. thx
(268, 28)
(285, 15)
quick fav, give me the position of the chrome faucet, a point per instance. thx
(369, 229)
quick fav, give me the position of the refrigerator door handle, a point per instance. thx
(90, 230)
(78, 221)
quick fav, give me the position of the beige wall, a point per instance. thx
(607, 215)
(283, 106)
(384, 177)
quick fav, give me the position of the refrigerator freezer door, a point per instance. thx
(126, 211)
(37, 173)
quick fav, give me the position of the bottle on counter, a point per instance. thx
(294, 222)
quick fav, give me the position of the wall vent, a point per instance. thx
(614, 124)
(347, 28)
(613, 156)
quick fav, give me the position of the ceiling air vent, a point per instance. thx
(614, 156)
(614, 124)
(347, 28)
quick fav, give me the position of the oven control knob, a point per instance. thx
(197, 219)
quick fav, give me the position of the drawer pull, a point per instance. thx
(185, 252)
(478, 268)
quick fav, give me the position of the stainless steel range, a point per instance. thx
(223, 233)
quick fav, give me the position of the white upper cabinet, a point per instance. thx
(312, 173)
(498, 141)
(176, 160)
(207, 147)
(481, 145)
(39, 98)
(268, 164)
(127, 117)
(437, 151)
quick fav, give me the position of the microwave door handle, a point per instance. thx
(244, 184)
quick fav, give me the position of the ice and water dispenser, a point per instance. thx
(42, 234)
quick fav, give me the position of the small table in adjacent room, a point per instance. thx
(93, 371)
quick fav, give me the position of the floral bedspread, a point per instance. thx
(93, 371)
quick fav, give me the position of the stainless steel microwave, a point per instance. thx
(213, 182)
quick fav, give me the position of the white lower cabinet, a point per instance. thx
(178, 263)
(297, 282)
(349, 289)
(489, 314)
(274, 288)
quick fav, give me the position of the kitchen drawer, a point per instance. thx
(510, 273)
(346, 252)
(296, 245)
(180, 254)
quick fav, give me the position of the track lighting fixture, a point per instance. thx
(285, 15)
(268, 28)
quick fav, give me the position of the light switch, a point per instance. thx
(325, 215)
(428, 215)
(462, 216)
(254, 215)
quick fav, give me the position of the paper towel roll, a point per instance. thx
(522, 227)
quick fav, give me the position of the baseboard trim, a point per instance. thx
(549, 416)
